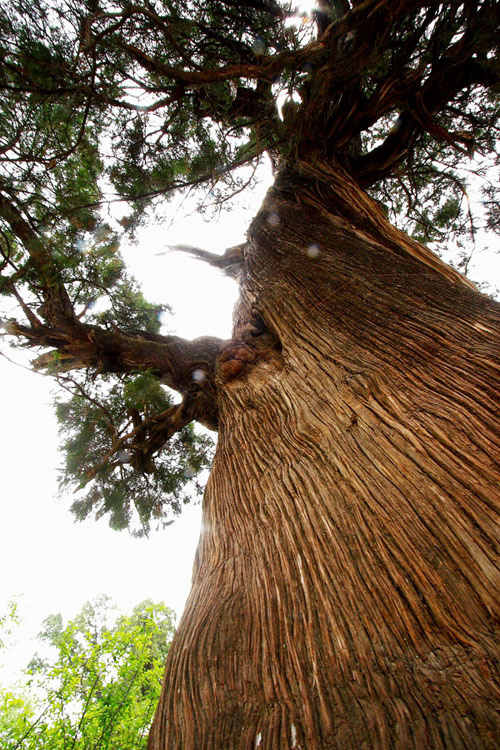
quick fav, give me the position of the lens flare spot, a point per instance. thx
(81, 246)
(198, 376)
(259, 46)
(313, 250)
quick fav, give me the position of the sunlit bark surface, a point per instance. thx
(345, 587)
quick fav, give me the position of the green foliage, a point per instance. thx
(128, 488)
(70, 80)
(51, 136)
(7, 621)
(129, 309)
(101, 687)
(133, 97)
(16, 710)
(16, 717)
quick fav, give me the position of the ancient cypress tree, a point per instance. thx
(345, 589)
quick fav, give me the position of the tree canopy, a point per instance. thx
(101, 687)
(122, 103)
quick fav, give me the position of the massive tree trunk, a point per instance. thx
(345, 588)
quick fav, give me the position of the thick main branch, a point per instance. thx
(177, 362)
(174, 360)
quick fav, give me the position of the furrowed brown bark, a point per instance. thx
(345, 589)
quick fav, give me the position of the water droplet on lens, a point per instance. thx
(313, 250)
(397, 126)
(258, 46)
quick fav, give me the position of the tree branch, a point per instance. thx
(79, 345)
(153, 434)
(172, 359)
(230, 263)
(445, 82)
(57, 304)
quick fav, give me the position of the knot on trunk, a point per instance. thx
(234, 360)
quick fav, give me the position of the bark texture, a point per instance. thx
(345, 589)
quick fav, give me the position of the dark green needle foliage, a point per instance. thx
(103, 428)
(98, 687)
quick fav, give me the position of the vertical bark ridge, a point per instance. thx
(346, 582)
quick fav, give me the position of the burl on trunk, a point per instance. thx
(345, 588)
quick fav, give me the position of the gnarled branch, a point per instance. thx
(230, 262)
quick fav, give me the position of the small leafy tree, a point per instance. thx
(16, 710)
(101, 689)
